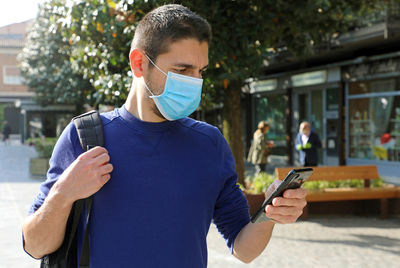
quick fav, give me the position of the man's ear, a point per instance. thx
(136, 61)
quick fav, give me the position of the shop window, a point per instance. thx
(272, 109)
(374, 128)
(377, 86)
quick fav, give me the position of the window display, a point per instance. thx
(374, 123)
(272, 109)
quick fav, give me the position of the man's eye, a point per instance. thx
(180, 70)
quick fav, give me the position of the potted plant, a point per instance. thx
(44, 148)
(255, 189)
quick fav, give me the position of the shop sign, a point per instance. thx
(310, 78)
(332, 114)
(264, 85)
(366, 69)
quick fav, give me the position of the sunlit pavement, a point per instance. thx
(319, 242)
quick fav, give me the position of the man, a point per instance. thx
(307, 143)
(158, 183)
(6, 132)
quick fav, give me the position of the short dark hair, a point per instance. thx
(167, 24)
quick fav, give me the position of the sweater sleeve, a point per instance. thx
(231, 212)
(65, 152)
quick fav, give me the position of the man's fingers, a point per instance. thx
(105, 178)
(284, 211)
(94, 152)
(289, 202)
(295, 193)
(283, 214)
(106, 169)
(102, 159)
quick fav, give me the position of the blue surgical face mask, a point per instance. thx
(181, 96)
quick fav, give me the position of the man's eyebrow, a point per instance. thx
(188, 66)
(204, 68)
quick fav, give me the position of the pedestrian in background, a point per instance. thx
(6, 132)
(307, 143)
(260, 148)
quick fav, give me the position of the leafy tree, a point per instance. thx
(45, 61)
(101, 33)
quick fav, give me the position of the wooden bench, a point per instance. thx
(335, 173)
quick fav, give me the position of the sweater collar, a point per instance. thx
(136, 123)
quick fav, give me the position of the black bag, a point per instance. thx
(90, 132)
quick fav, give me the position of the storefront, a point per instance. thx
(354, 106)
(37, 121)
(288, 99)
(373, 115)
(315, 96)
(270, 102)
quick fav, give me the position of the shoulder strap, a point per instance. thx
(91, 134)
(90, 129)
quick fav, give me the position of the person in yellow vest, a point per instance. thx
(260, 148)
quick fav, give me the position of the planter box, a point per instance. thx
(255, 201)
(38, 166)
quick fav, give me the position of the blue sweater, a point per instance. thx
(170, 180)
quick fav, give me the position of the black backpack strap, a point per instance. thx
(91, 134)
(85, 255)
(90, 129)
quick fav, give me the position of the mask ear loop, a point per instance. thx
(152, 62)
(148, 89)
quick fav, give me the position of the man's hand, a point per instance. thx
(253, 238)
(287, 209)
(299, 147)
(307, 146)
(85, 176)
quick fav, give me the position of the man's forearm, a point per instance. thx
(252, 240)
(44, 230)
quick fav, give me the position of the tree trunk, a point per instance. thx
(232, 126)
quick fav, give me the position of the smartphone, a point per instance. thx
(293, 180)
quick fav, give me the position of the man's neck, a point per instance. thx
(140, 105)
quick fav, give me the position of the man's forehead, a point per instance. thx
(188, 52)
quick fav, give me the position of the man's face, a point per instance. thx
(187, 57)
(306, 130)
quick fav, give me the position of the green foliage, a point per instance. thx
(45, 60)
(245, 34)
(101, 32)
(352, 183)
(259, 183)
(377, 183)
(77, 51)
(2, 106)
(45, 147)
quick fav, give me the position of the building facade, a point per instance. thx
(351, 97)
(17, 105)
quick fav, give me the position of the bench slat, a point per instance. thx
(338, 194)
(335, 173)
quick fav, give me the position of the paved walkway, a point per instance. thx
(318, 242)
(17, 190)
